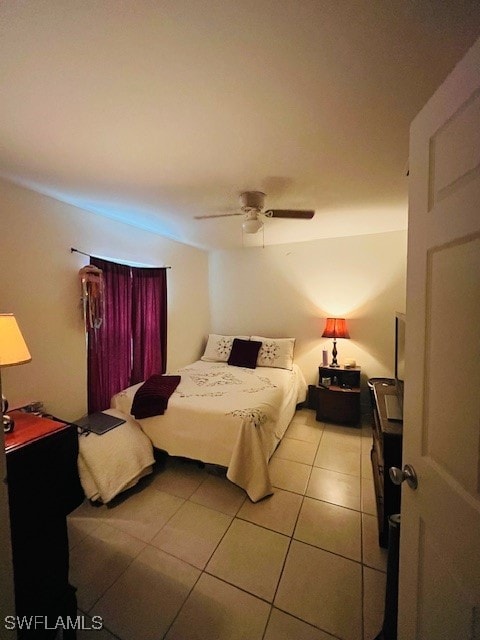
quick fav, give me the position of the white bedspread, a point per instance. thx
(114, 461)
(225, 415)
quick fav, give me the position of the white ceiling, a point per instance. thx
(154, 111)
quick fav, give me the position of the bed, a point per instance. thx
(227, 415)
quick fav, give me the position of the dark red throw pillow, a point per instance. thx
(151, 399)
(244, 353)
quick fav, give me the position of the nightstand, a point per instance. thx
(43, 487)
(340, 402)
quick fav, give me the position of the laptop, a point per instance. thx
(98, 423)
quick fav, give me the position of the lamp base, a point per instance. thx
(8, 424)
(334, 355)
(334, 365)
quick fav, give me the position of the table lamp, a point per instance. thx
(13, 350)
(335, 328)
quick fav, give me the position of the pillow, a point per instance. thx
(244, 353)
(275, 352)
(218, 347)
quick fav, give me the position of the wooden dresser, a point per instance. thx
(43, 488)
(386, 452)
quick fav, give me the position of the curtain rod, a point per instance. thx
(72, 250)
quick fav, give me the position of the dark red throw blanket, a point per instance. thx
(151, 398)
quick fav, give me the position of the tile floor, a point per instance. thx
(185, 555)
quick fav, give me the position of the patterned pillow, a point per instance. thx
(275, 352)
(219, 347)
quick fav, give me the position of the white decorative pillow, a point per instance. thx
(275, 352)
(218, 347)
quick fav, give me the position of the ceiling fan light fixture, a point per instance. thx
(252, 225)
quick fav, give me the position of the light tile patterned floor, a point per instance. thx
(186, 556)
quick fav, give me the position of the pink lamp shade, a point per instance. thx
(335, 328)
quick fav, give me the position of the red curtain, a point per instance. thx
(149, 323)
(130, 345)
(109, 347)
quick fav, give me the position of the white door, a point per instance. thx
(440, 529)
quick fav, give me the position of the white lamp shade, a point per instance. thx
(13, 349)
(252, 226)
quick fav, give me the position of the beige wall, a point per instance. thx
(39, 284)
(288, 290)
(283, 290)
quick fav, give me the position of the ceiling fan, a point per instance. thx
(252, 205)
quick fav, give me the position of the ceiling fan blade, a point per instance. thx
(290, 213)
(218, 215)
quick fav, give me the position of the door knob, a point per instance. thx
(397, 476)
